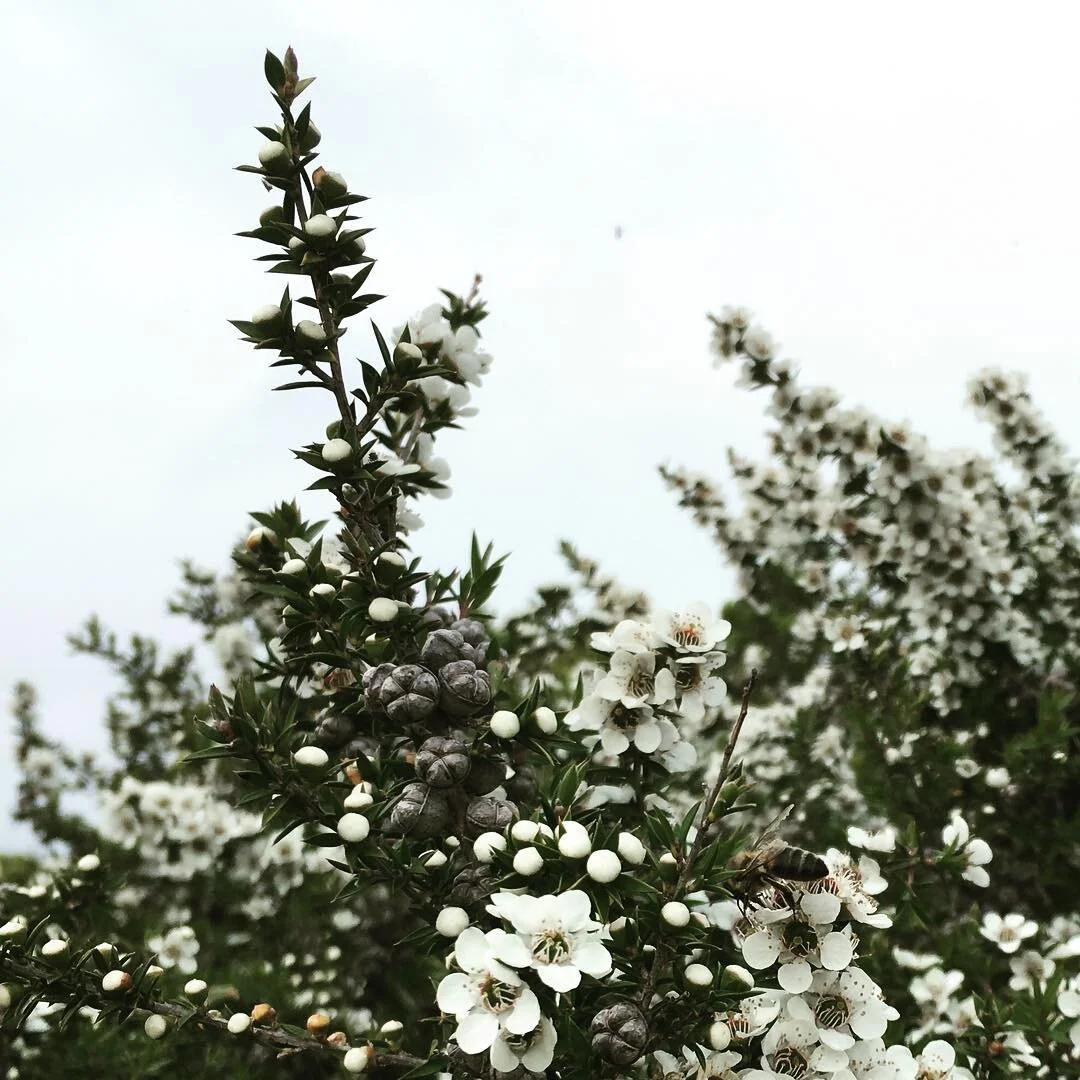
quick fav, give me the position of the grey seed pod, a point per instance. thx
(436, 618)
(620, 1033)
(488, 815)
(409, 694)
(486, 775)
(475, 633)
(471, 885)
(372, 681)
(333, 731)
(464, 689)
(420, 811)
(442, 762)
(443, 647)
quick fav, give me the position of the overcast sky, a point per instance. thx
(892, 190)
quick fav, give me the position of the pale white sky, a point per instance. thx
(893, 190)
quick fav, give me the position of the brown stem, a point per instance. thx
(662, 955)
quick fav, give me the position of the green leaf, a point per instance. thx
(274, 70)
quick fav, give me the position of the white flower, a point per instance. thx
(562, 939)
(629, 636)
(1029, 970)
(844, 633)
(876, 840)
(1007, 932)
(936, 1062)
(699, 1064)
(976, 852)
(488, 996)
(699, 689)
(844, 1006)
(535, 1050)
(799, 942)
(694, 629)
(619, 726)
(633, 680)
(857, 885)
(177, 948)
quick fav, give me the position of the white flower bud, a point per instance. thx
(603, 866)
(89, 863)
(311, 333)
(5, 996)
(405, 350)
(719, 1035)
(114, 981)
(320, 226)
(257, 536)
(505, 724)
(311, 757)
(574, 840)
(273, 155)
(546, 720)
(525, 831)
(269, 315)
(736, 973)
(155, 1026)
(675, 913)
(382, 609)
(353, 828)
(336, 450)
(54, 948)
(293, 566)
(486, 844)
(392, 1029)
(392, 558)
(195, 988)
(324, 588)
(358, 799)
(631, 849)
(238, 1023)
(104, 948)
(452, 842)
(451, 921)
(528, 861)
(698, 975)
(434, 859)
(13, 927)
(358, 1058)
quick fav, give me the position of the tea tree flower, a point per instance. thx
(976, 853)
(562, 938)
(693, 629)
(534, 1050)
(1009, 932)
(487, 996)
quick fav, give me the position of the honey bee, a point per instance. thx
(770, 863)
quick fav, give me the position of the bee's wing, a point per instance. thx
(770, 830)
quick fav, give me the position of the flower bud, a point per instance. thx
(311, 757)
(311, 138)
(116, 982)
(293, 566)
(546, 720)
(358, 1059)
(603, 866)
(319, 228)
(631, 849)
(267, 321)
(719, 1035)
(675, 913)
(406, 350)
(13, 927)
(155, 1026)
(256, 537)
(451, 921)
(154, 971)
(275, 158)
(55, 950)
(505, 724)
(391, 1031)
(735, 975)
(330, 185)
(195, 988)
(528, 861)
(669, 866)
(317, 1024)
(382, 609)
(433, 860)
(311, 334)
(5, 996)
(358, 799)
(336, 450)
(272, 215)
(698, 975)
(338, 1040)
(353, 828)
(574, 840)
(238, 1023)
(263, 1013)
(486, 844)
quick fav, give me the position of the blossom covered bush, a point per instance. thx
(830, 831)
